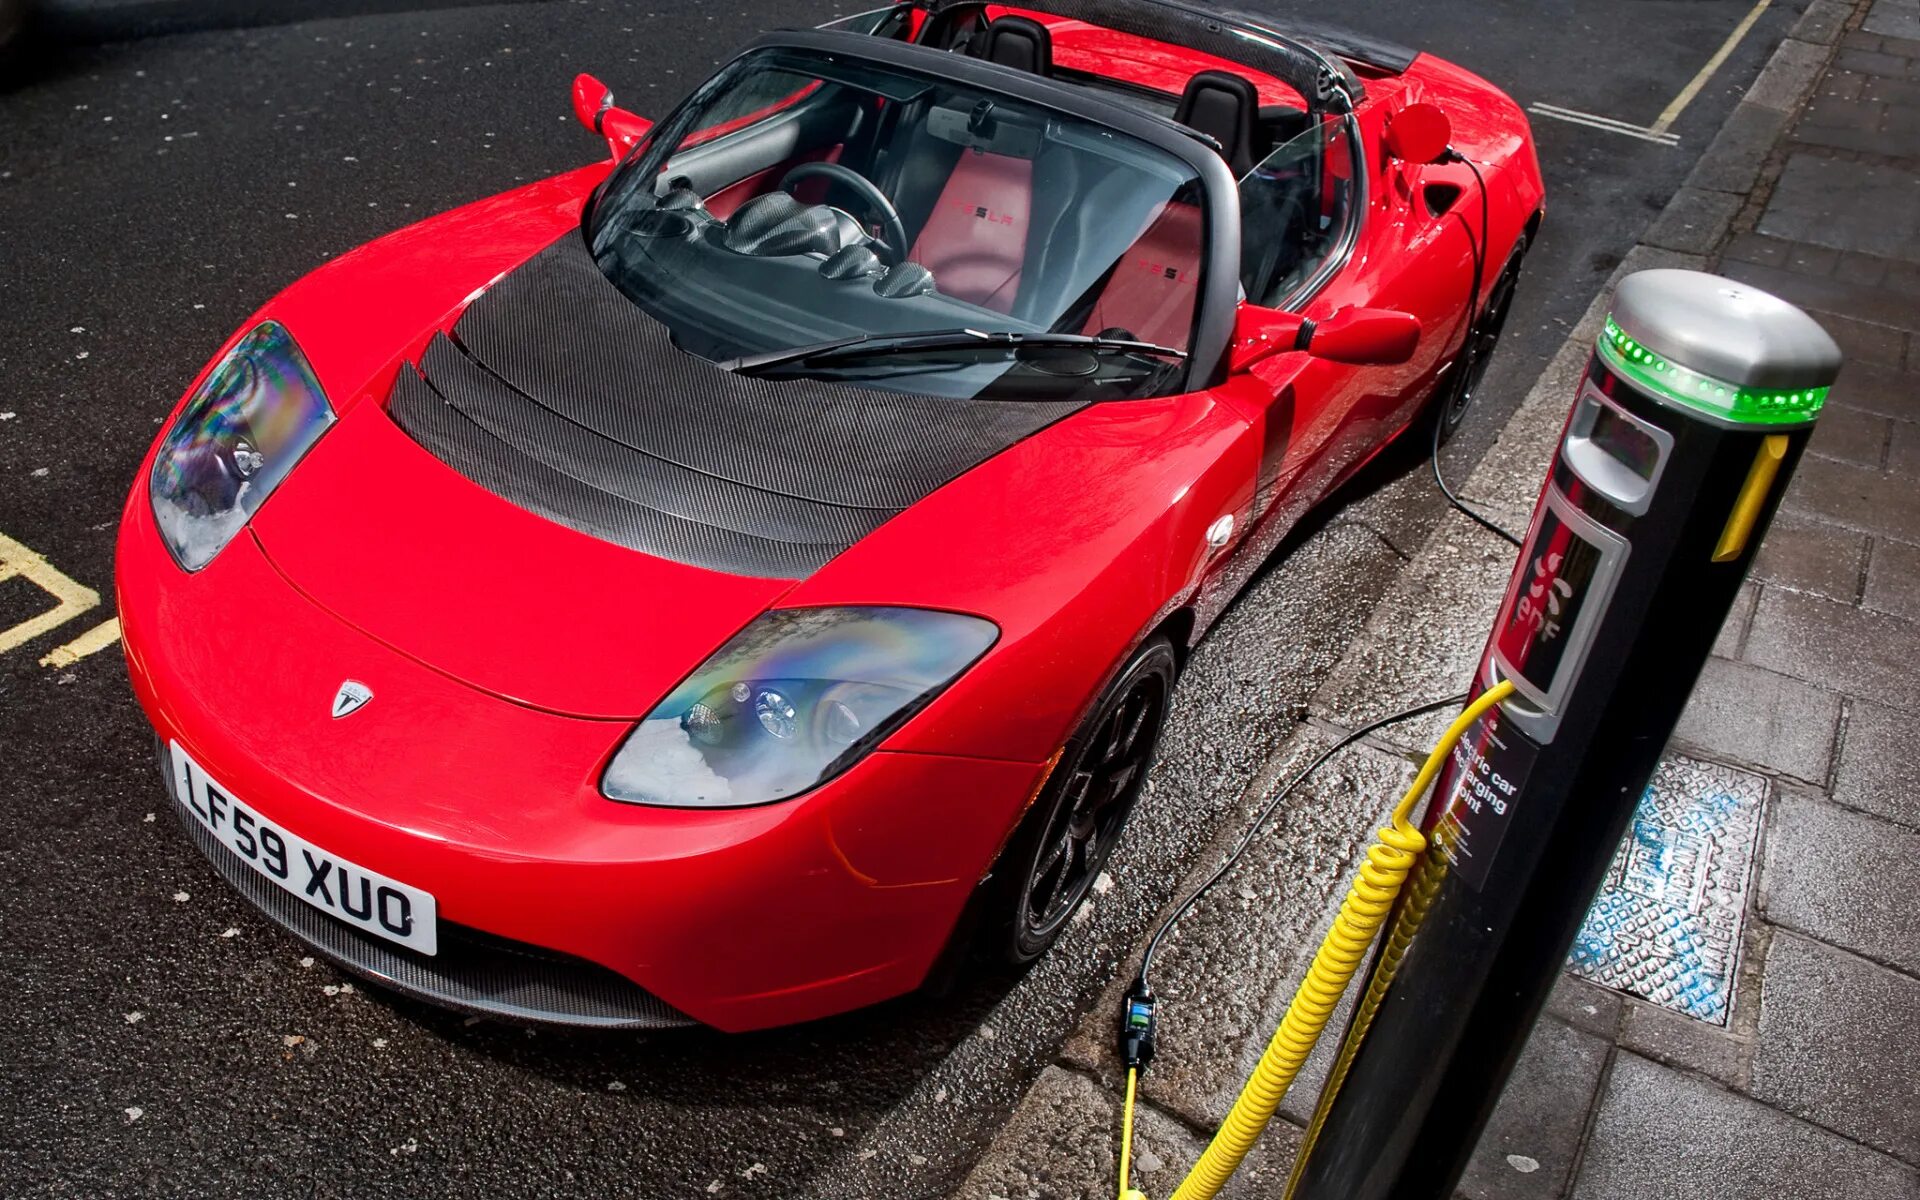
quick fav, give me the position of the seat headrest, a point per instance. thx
(1021, 43)
(1225, 107)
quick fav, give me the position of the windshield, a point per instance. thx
(801, 199)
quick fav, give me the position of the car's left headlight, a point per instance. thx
(789, 702)
(241, 432)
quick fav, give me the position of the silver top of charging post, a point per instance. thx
(1680, 329)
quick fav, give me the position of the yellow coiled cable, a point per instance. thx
(1389, 861)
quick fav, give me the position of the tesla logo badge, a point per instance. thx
(351, 698)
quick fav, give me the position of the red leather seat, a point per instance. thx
(975, 239)
(1151, 292)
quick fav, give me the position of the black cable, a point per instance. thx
(1466, 360)
(1246, 839)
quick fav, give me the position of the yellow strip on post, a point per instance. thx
(1753, 497)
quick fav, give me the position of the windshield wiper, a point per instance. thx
(862, 345)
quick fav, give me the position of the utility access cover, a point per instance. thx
(1666, 926)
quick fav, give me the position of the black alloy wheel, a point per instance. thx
(1470, 366)
(1071, 830)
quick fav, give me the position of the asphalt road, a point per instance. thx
(159, 1038)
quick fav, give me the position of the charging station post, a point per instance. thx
(1693, 413)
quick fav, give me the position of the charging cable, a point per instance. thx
(1468, 350)
(1388, 863)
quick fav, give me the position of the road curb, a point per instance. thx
(1426, 633)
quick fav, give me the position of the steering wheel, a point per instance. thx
(893, 231)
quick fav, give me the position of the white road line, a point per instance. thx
(1605, 124)
(1595, 118)
(91, 642)
(1718, 60)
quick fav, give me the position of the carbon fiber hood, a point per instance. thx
(559, 395)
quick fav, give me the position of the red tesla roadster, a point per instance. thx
(707, 585)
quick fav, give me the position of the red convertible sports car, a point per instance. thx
(715, 584)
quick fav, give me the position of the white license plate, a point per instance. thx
(364, 899)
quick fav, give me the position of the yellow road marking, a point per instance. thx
(16, 559)
(94, 640)
(1718, 60)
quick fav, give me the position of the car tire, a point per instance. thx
(1456, 395)
(1051, 862)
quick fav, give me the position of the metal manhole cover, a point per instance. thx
(1666, 926)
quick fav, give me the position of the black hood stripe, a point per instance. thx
(565, 398)
(610, 465)
(507, 472)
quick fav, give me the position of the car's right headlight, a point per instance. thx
(241, 432)
(789, 702)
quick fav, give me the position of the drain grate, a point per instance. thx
(1666, 926)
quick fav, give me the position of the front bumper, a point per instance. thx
(556, 903)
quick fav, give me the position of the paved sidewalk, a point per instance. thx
(1812, 1086)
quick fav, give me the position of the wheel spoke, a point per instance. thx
(1133, 729)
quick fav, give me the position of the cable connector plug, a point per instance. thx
(1138, 1024)
(1450, 155)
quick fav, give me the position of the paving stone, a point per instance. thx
(1810, 555)
(1788, 76)
(1883, 390)
(1530, 1144)
(1732, 162)
(1836, 1045)
(1664, 1135)
(1757, 248)
(1063, 1143)
(1823, 21)
(1904, 46)
(1898, 92)
(1733, 631)
(1861, 125)
(1856, 497)
(1425, 637)
(1694, 221)
(1851, 435)
(1742, 713)
(1682, 1041)
(1587, 1007)
(1825, 294)
(1862, 269)
(1903, 454)
(1836, 646)
(1878, 770)
(1893, 18)
(1842, 85)
(1872, 62)
(1865, 342)
(1843, 877)
(1893, 579)
(1846, 205)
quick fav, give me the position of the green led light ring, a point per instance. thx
(1684, 386)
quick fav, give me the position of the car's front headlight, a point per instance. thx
(240, 433)
(791, 701)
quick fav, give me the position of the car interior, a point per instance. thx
(982, 205)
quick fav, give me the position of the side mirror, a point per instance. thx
(593, 107)
(1419, 133)
(1261, 333)
(1360, 336)
(1368, 337)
